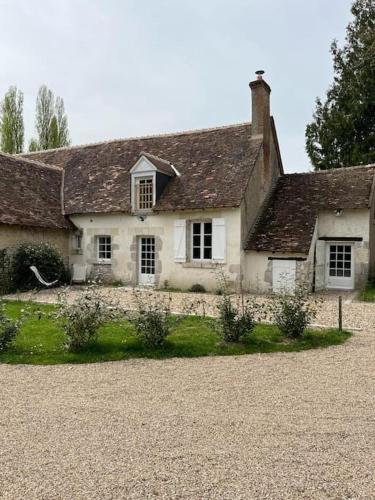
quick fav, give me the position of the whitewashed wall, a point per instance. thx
(351, 223)
(258, 269)
(125, 229)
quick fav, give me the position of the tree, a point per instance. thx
(342, 132)
(51, 122)
(11, 121)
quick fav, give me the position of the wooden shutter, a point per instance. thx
(180, 240)
(218, 240)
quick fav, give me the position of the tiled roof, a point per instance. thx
(288, 221)
(161, 165)
(214, 165)
(30, 193)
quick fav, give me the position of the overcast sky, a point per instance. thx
(137, 67)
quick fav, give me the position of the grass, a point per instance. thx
(41, 342)
(368, 294)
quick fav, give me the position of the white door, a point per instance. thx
(146, 254)
(340, 265)
(283, 276)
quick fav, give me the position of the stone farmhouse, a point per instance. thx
(167, 210)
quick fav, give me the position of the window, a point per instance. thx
(144, 193)
(202, 240)
(104, 248)
(77, 242)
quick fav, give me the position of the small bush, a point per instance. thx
(42, 255)
(153, 320)
(292, 313)
(82, 319)
(237, 321)
(197, 288)
(8, 328)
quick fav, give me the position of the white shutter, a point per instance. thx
(180, 240)
(218, 240)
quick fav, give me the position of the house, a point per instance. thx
(168, 210)
(30, 204)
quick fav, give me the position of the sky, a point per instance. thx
(138, 67)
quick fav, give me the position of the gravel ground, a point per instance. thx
(279, 426)
(356, 315)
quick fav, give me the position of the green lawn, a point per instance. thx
(368, 294)
(40, 341)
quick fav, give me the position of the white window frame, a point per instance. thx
(202, 246)
(137, 181)
(143, 169)
(106, 244)
(78, 241)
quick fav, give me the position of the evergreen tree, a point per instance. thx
(11, 121)
(51, 122)
(342, 132)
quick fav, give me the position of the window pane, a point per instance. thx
(339, 272)
(208, 240)
(196, 228)
(196, 241)
(207, 254)
(196, 253)
(207, 228)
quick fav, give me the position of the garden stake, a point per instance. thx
(340, 313)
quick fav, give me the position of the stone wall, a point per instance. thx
(12, 236)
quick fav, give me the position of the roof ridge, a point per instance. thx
(330, 170)
(135, 138)
(36, 163)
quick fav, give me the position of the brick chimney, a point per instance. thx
(261, 115)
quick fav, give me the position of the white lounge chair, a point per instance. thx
(40, 278)
(79, 273)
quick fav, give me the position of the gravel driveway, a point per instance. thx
(293, 425)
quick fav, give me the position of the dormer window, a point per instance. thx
(149, 176)
(144, 187)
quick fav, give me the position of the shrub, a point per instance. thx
(82, 319)
(197, 288)
(292, 313)
(153, 320)
(6, 281)
(8, 328)
(42, 255)
(236, 321)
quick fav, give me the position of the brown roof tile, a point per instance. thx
(161, 165)
(288, 221)
(214, 165)
(30, 193)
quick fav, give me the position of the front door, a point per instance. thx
(146, 260)
(340, 266)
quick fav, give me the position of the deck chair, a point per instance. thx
(79, 273)
(40, 278)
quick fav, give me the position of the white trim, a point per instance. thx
(143, 164)
(102, 260)
(134, 178)
(202, 234)
(143, 278)
(340, 282)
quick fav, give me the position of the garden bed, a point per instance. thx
(42, 342)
